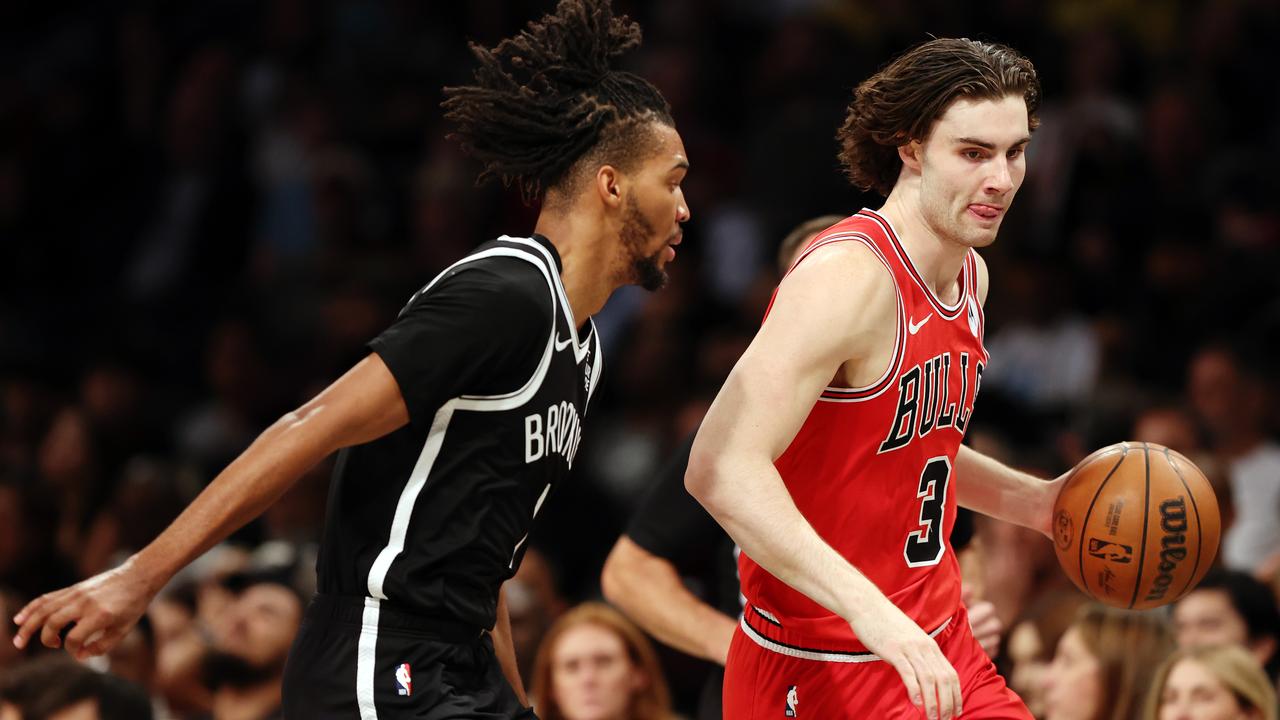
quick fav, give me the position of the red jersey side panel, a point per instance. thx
(871, 468)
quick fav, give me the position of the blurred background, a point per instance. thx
(206, 209)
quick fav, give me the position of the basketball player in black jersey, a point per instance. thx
(466, 413)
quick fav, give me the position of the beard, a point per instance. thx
(642, 270)
(223, 669)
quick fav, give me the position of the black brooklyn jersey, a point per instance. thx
(496, 377)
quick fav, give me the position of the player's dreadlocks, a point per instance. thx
(544, 99)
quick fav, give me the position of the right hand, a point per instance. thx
(102, 610)
(932, 683)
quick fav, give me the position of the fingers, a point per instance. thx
(103, 643)
(86, 628)
(55, 622)
(932, 684)
(908, 673)
(29, 619)
(944, 682)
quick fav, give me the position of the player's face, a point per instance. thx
(972, 165)
(592, 676)
(1206, 617)
(1072, 687)
(1193, 693)
(653, 209)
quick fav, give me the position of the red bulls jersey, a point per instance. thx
(871, 468)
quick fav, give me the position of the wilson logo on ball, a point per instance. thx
(1173, 545)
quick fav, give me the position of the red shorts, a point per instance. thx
(762, 684)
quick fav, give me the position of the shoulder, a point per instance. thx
(840, 299)
(838, 272)
(487, 278)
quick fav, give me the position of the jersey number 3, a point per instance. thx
(925, 546)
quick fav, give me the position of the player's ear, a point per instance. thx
(608, 185)
(910, 155)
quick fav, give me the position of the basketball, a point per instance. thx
(1136, 525)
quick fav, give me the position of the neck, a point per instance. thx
(938, 258)
(249, 703)
(586, 262)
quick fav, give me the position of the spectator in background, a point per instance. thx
(1170, 425)
(1229, 397)
(29, 560)
(1104, 664)
(56, 687)
(1231, 608)
(244, 668)
(595, 665)
(1028, 649)
(1211, 683)
(1174, 426)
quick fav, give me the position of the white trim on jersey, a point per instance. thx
(818, 655)
(596, 366)
(895, 239)
(366, 659)
(514, 400)
(579, 347)
(409, 496)
(899, 340)
(536, 507)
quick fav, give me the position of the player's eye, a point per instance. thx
(1015, 152)
(974, 154)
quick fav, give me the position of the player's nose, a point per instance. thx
(1000, 181)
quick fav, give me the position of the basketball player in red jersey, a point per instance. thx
(833, 453)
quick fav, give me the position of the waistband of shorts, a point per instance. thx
(767, 631)
(354, 610)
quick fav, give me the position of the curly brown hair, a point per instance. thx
(901, 102)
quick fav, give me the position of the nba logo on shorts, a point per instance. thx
(404, 681)
(792, 702)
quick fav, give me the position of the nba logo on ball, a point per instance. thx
(791, 701)
(404, 681)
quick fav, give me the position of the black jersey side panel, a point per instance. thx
(433, 518)
(481, 327)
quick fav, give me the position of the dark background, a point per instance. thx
(207, 208)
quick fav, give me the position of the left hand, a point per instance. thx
(984, 622)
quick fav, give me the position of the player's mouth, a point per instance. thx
(670, 250)
(986, 213)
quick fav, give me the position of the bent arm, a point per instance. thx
(648, 589)
(992, 488)
(824, 314)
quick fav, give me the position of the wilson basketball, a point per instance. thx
(1136, 525)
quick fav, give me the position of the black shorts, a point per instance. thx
(356, 659)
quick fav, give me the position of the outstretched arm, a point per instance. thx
(362, 405)
(992, 488)
(833, 307)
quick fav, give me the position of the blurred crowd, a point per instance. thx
(207, 209)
